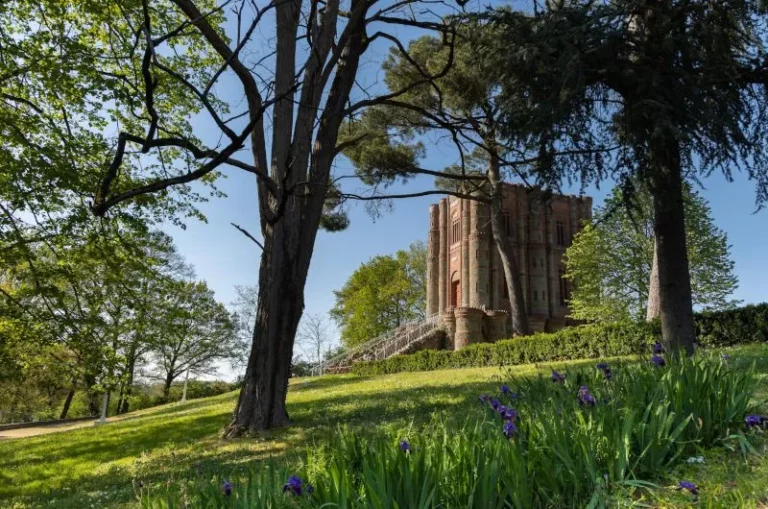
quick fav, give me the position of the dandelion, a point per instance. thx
(226, 488)
(658, 348)
(405, 446)
(557, 377)
(687, 485)
(294, 485)
(509, 429)
(585, 398)
(658, 360)
(753, 420)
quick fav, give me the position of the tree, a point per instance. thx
(679, 87)
(146, 70)
(314, 336)
(382, 294)
(610, 261)
(199, 332)
(461, 104)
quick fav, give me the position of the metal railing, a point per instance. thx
(381, 347)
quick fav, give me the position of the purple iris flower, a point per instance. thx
(405, 446)
(509, 429)
(294, 485)
(606, 370)
(557, 377)
(226, 488)
(310, 489)
(658, 360)
(585, 398)
(753, 420)
(510, 415)
(658, 348)
(505, 389)
(602, 366)
(495, 404)
(687, 485)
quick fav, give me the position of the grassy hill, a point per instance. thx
(102, 466)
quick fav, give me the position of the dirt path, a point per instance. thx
(50, 428)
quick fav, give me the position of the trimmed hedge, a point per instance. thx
(581, 342)
(748, 324)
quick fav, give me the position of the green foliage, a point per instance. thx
(609, 261)
(563, 453)
(748, 324)
(381, 295)
(581, 342)
(715, 329)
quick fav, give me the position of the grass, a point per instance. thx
(98, 467)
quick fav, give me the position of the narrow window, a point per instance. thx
(536, 295)
(563, 287)
(560, 226)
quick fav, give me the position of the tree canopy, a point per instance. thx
(610, 260)
(382, 294)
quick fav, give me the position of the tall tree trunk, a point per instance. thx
(94, 408)
(654, 304)
(675, 302)
(520, 326)
(123, 405)
(167, 385)
(282, 276)
(67, 403)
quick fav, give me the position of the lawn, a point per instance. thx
(100, 466)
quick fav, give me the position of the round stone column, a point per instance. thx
(496, 325)
(448, 321)
(469, 327)
(433, 255)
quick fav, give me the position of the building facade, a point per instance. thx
(465, 280)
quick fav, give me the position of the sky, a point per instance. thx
(224, 257)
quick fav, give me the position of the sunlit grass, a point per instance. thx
(97, 467)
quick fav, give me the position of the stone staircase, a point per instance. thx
(407, 338)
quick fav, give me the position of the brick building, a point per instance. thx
(465, 280)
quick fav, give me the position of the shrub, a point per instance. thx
(581, 342)
(748, 324)
(563, 450)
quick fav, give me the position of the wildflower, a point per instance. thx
(557, 377)
(226, 488)
(510, 415)
(495, 403)
(687, 485)
(606, 370)
(695, 459)
(293, 485)
(483, 398)
(505, 389)
(658, 360)
(501, 409)
(310, 489)
(585, 398)
(725, 357)
(405, 446)
(509, 429)
(658, 348)
(753, 420)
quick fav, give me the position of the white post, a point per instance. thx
(184, 394)
(103, 418)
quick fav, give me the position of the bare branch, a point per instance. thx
(247, 234)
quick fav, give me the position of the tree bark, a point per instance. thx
(167, 385)
(94, 408)
(675, 303)
(282, 276)
(124, 404)
(519, 316)
(67, 403)
(654, 304)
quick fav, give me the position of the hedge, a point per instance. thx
(747, 324)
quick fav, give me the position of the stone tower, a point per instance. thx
(465, 280)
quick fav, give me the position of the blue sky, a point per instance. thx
(224, 257)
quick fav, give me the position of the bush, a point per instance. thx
(561, 452)
(581, 342)
(748, 324)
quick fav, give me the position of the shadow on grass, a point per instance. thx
(322, 382)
